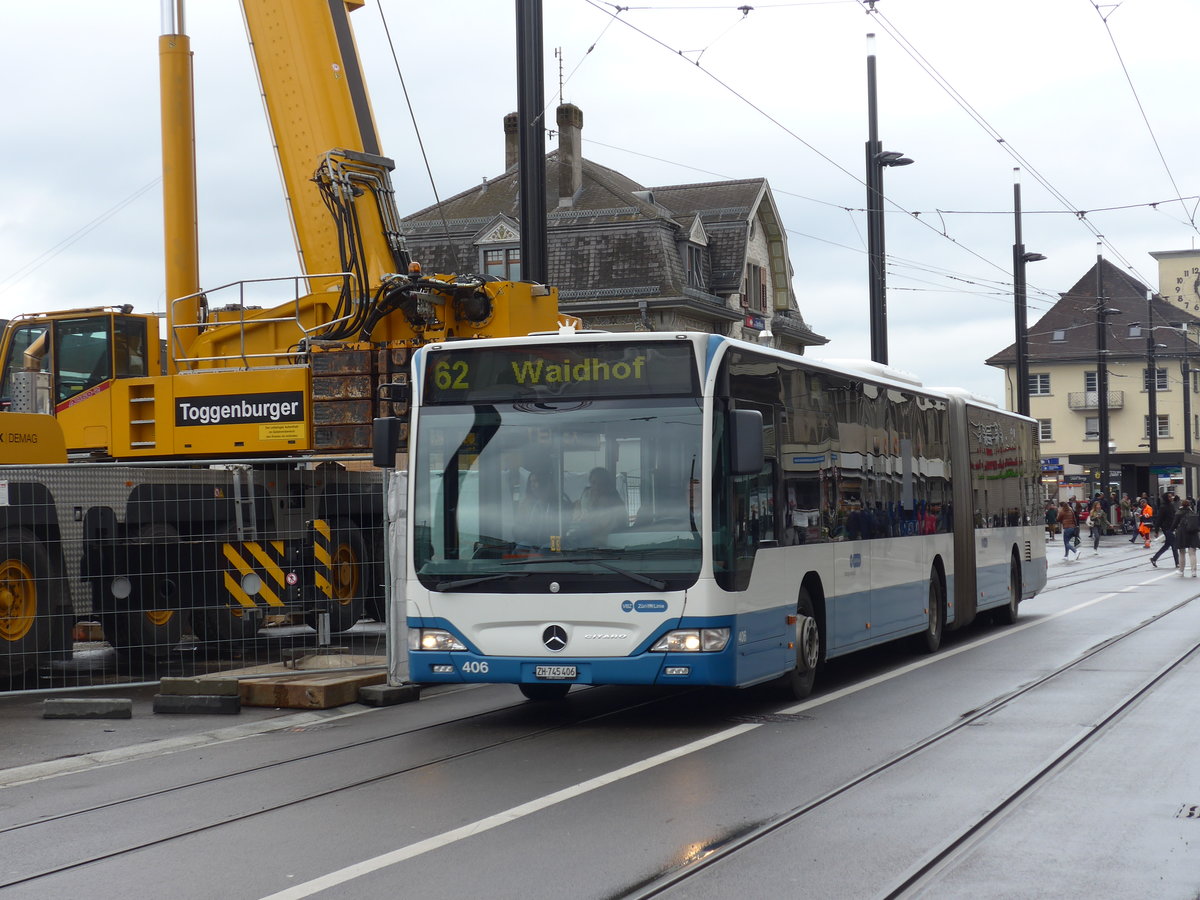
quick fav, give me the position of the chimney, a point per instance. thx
(570, 158)
(511, 141)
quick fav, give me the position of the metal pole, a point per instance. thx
(1187, 413)
(1022, 386)
(1102, 368)
(875, 253)
(531, 149)
(1151, 382)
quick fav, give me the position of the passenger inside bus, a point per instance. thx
(600, 510)
(537, 513)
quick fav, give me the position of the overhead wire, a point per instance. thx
(780, 125)
(22, 272)
(1142, 110)
(992, 132)
(417, 129)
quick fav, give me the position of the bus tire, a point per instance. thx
(1007, 614)
(27, 584)
(929, 640)
(543, 693)
(810, 650)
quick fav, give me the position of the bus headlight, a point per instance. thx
(692, 640)
(433, 639)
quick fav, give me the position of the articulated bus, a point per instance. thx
(688, 509)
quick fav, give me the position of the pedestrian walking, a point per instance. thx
(1187, 536)
(1165, 520)
(1070, 530)
(1145, 520)
(1098, 522)
(1051, 517)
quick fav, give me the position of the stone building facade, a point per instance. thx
(709, 257)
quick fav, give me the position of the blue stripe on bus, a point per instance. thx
(757, 651)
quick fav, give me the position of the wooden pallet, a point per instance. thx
(308, 684)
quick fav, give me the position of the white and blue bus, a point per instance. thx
(688, 509)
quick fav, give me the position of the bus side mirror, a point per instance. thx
(746, 442)
(385, 443)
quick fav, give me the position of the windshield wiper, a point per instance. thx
(467, 582)
(636, 576)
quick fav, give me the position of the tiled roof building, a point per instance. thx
(1064, 356)
(702, 257)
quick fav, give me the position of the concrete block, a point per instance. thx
(190, 687)
(198, 704)
(87, 708)
(388, 695)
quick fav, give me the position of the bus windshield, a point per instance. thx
(594, 495)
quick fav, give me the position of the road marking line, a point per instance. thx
(339, 877)
(357, 870)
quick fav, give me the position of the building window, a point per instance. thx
(695, 266)
(1060, 335)
(754, 289)
(1160, 382)
(1039, 384)
(1135, 330)
(1091, 382)
(1045, 429)
(1091, 428)
(503, 263)
(1164, 426)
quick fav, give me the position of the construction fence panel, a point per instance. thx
(129, 573)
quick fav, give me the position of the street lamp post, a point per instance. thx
(1020, 258)
(877, 159)
(1102, 314)
(1151, 382)
(1187, 412)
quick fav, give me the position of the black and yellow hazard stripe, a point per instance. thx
(265, 559)
(323, 558)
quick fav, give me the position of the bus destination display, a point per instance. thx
(546, 371)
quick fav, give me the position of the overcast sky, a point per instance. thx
(672, 93)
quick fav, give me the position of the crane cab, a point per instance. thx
(64, 363)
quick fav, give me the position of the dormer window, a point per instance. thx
(695, 265)
(503, 263)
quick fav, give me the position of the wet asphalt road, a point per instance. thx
(993, 768)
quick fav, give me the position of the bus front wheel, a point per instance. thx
(810, 651)
(544, 692)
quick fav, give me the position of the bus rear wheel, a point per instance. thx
(544, 692)
(810, 650)
(1007, 615)
(930, 639)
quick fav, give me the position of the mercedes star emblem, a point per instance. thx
(555, 638)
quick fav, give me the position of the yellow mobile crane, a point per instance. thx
(253, 388)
